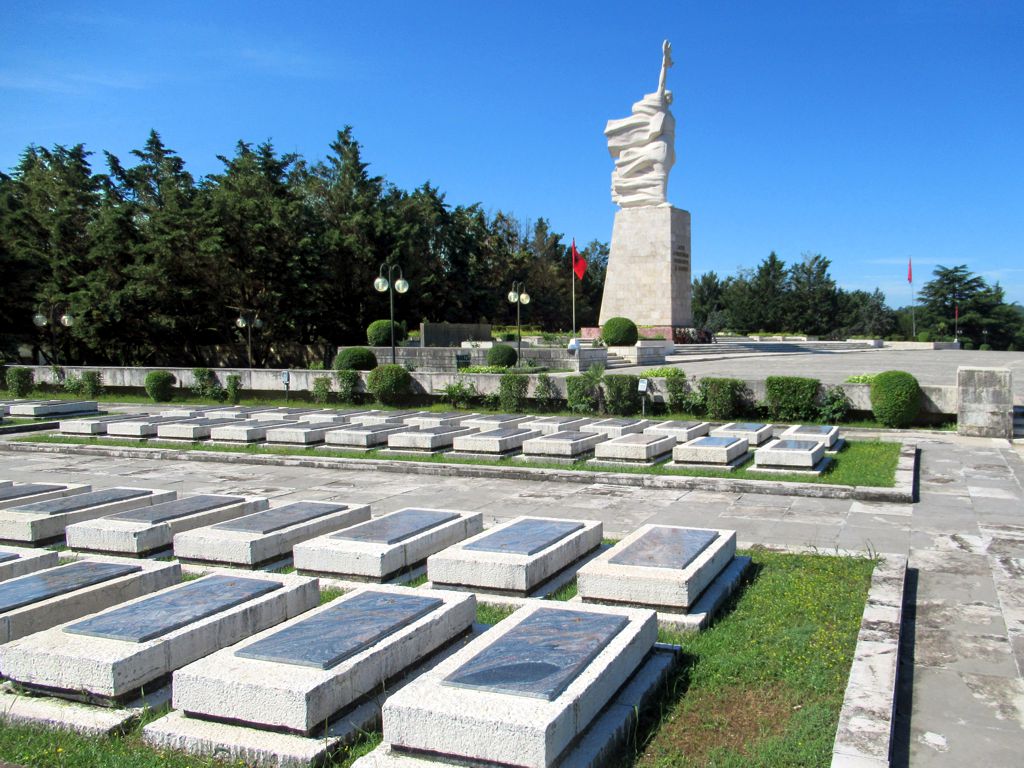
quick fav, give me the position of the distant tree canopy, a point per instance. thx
(155, 267)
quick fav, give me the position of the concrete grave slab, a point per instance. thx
(249, 431)
(563, 445)
(362, 435)
(634, 449)
(97, 426)
(281, 414)
(302, 432)
(265, 537)
(791, 455)
(426, 439)
(443, 419)
(386, 546)
(40, 600)
(149, 530)
(754, 433)
(514, 557)
(551, 424)
(712, 451)
(523, 692)
(238, 412)
(616, 427)
(489, 421)
(52, 408)
(373, 418)
(109, 656)
(18, 494)
(189, 411)
(191, 429)
(826, 434)
(139, 427)
(682, 431)
(45, 521)
(663, 567)
(17, 561)
(302, 674)
(19, 706)
(504, 441)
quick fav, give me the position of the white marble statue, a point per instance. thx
(642, 146)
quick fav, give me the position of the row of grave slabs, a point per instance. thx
(255, 669)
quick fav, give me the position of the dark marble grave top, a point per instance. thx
(499, 418)
(639, 438)
(81, 501)
(340, 632)
(171, 510)
(795, 445)
(368, 427)
(617, 422)
(396, 527)
(814, 430)
(541, 656)
(665, 548)
(204, 422)
(568, 437)
(503, 432)
(746, 426)
(6, 557)
(714, 441)
(173, 608)
(271, 520)
(682, 426)
(36, 587)
(439, 430)
(29, 489)
(525, 537)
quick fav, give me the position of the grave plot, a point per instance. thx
(496, 421)
(40, 600)
(666, 568)
(52, 408)
(524, 692)
(634, 450)
(326, 417)
(17, 494)
(322, 668)
(386, 547)
(426, 439)
(281, 414)
(787, 456)
(249, 431)
(755, 434)
(822, 433)
(96, 426)
(107, 658)
(374, 418)
(551, 424)
(521, 557)
(365, 436)
(616, 427)
(562, 446)
(443, 419)
(301, 432)
(143, 427)
(16, 561)
(42, 522)
(712, 452)
(265, 538)
(190, 412)
(148, 531)
(237, 412)
(494, 443)
(682, 431)
(191, 429)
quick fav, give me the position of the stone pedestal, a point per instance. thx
(984, 402)
(648, 278)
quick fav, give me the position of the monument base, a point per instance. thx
(648, 277)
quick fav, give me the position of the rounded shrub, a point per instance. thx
(20, 381)
(924, 336)
(378, 334)
(895, 398)
(503, 355)
(390, 384)
(356, 359)
(160, 386)
(985, 348)
(619, 332)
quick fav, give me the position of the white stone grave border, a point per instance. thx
(29, 561)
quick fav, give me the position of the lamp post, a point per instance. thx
(519, 296)
(54, 314)
(390, 284)
(248, 319)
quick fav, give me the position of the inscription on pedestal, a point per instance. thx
(327, 639)
(29, 489)
(82, 501)
(171, 510)
(281, 517)
(666, 548)
(59, 581)
(173, 609)
(525, 537)
(541, 656)
(396, 527)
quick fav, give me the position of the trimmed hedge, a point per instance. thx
(792, 398)
(322, 390)
(723, 398)
(620, 394)
(356, 359)
(20, 381)
(895, 398)
(91, 384)
(512, 389)
(619, 332)
(160, 386)
(378, 334)
(206, 385)
(581, 394)
(390, 383)
(234, 388)
(503, 355)
(348, 382)
(546, 394)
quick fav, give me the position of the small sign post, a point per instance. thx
(641, 387)
(286, 380)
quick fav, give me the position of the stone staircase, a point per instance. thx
(616, 361)
(1018, 424)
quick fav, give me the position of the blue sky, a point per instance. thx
(868, 131)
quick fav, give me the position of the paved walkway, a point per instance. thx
(962, 697)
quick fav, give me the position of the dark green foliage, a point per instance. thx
(724, 399)
(512, 391)
(678, 396)
(89, 384)
(390, 384)
(503, 355)
(356, 359)
(20, 381)
(924, 336)
(348, 382)
(234, 388)
(895, 398)
(985, 348)
(834, 406)
(581, 396)
(206, 386)
(160, 386)
(791, 398)
(322, 390)
(459, 394)
(545, 393)
(619, 332)
(378, 334)
(620, 394)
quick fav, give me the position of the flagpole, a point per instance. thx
(913, 316)
(572, 277)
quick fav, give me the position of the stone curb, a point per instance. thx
(864, 735)
(901, 492)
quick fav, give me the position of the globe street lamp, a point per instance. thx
(248, 320)
(391, 285)
(54, 314)
(519, 296)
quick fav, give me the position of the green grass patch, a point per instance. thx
(567, 592)
(492, 614)
(419, 581)
(861, 462)
(330, 593)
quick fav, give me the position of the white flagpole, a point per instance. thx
(573, 279)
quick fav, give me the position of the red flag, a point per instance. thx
(910, 270)
(579, 264)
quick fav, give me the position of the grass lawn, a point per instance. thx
(861, 462)
(762, 687)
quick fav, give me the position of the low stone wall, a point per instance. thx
(910, 345)
(985, 402)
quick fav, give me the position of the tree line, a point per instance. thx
(804, 298)
(154, 266)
